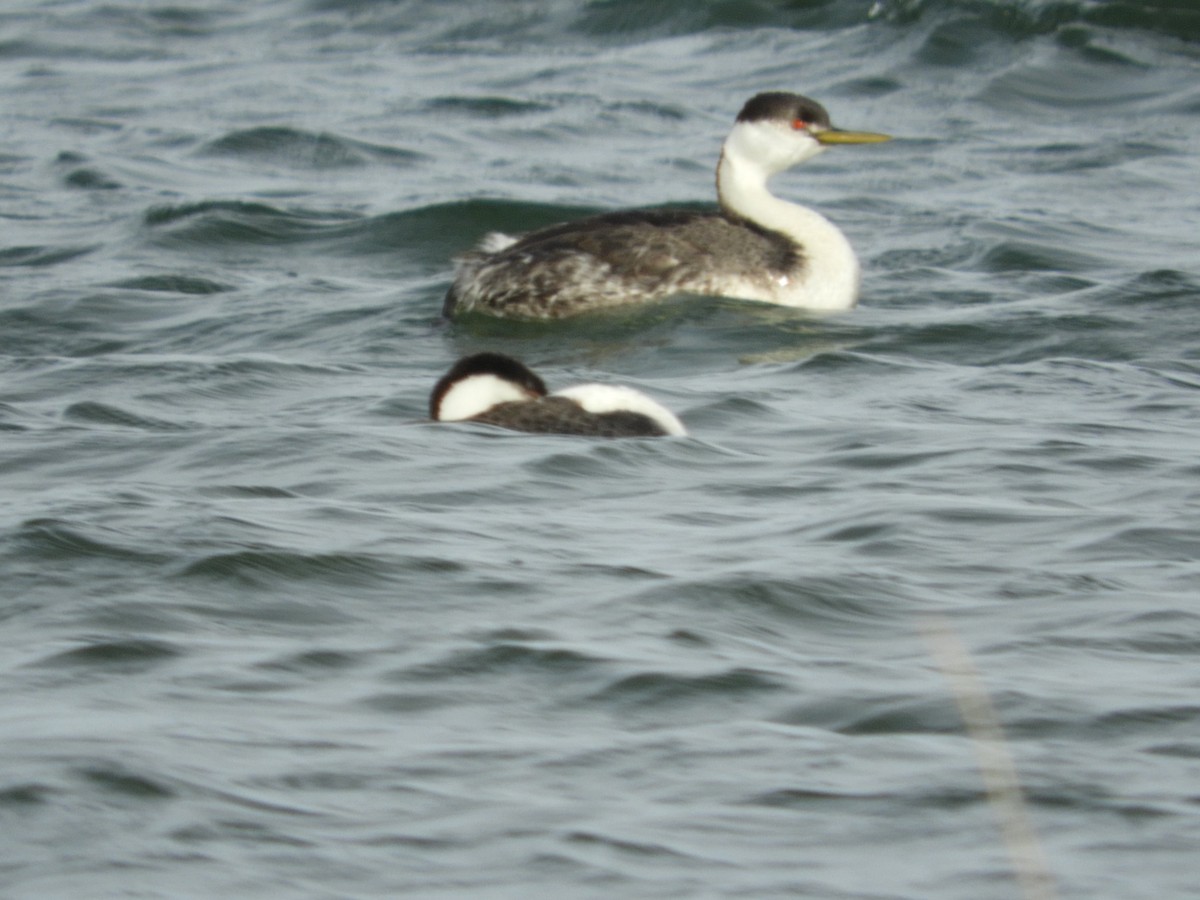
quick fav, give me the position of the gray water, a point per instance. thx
(267, 633)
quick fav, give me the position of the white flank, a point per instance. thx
(607, 398)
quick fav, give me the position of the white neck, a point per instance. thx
(476, 394)
(753, 152)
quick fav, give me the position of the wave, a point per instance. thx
(90, 412)
(666, 690)
(1027, 18)
(623, 21)
(439, 229)
(54, 540)
(133, 654)
(506, 657)
(305, 150)
(173, 284)
(212, 222)
(41, 255)
(273, 567)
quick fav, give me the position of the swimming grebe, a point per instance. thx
(757, 247)
(499, 390)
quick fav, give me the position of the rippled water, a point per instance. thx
(267, 633)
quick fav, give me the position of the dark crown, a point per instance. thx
(784, 107)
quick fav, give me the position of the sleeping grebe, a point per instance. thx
(498, 390)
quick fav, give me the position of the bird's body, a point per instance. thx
(562, 415)
(755, 247)
(497, 390)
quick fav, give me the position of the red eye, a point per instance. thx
(799, 124)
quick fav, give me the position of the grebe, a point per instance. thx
(757, 247)
(499, 390)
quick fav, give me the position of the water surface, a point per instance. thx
(268, 633)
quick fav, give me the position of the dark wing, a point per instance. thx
(559, 415)
(616, 258)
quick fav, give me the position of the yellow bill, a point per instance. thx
(837, 136)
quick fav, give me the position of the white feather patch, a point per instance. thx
(476, 394)
(606, 398)
(494, 242)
